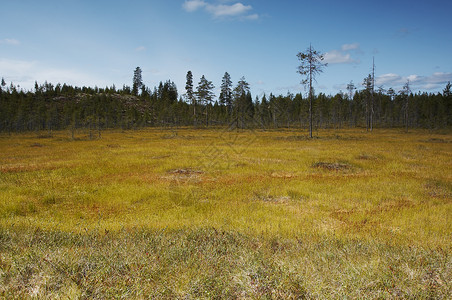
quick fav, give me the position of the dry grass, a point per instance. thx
(226, 214)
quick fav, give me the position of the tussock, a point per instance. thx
(331, 166)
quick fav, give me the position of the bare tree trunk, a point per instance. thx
(372, 96)
(350, 113)
(194, 113)
(406, 114)
(367, 113)
(310, 114)
(310, 104)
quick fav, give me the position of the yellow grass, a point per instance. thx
(383, 187)
(387, 184)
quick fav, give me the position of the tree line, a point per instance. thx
(55, 107)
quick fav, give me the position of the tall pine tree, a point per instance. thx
(190, 96)
(205, 94)
(242, 101)
(310, 65)
(226, 92)
(137, 81)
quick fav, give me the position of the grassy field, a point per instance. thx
(224, 214)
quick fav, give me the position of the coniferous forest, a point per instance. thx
(55, 107)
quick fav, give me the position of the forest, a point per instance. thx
(55, 107)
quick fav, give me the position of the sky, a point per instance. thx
(100, 43)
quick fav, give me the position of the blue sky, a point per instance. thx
(101, 42)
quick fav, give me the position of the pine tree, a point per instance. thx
(447, 96)
(447, 92)
(205, 94)
(226, 92)
(311, 65)
(190, 94)
(350, 88)
(405, 93)
(137, 81)
(241, 96)
(368, 85)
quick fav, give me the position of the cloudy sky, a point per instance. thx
(98, 42)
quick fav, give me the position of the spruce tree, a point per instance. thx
(190, 94)
(137, 81)
(226, 92)
(241, 95)
(205, 94)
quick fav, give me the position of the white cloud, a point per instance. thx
(430, 86)
(25, 73)
(17, 71)
(348, 47)
(12, 42)
(433, 82)
(343, 55)
(338, 57)
(19, 66)
(221, 10)
(414, 78)
(389, 78)
(141, 48)
(193, 5)
(440, 77)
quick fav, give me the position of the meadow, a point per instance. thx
(216, 213)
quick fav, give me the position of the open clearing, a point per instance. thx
(226, 214)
